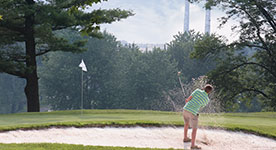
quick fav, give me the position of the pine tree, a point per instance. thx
(29, 29)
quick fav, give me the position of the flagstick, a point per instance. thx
(81, 92)
(83, 68)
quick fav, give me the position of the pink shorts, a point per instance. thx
(190, 118)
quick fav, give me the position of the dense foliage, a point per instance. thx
(117, 77)
(29, 28)
(180, 50)
(121, 76)
(12, 98)
(246, 72)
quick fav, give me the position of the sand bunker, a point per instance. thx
(166, 137)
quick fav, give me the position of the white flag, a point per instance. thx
(82, 65)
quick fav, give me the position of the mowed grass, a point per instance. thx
(263, 123)
(258, 123)
(46, 146)
(89, 118)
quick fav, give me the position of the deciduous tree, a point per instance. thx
(249, 69)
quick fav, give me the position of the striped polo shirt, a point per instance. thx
(199, 99)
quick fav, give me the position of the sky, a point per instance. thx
(157, 21)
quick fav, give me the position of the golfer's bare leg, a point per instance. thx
(186, 127)
(193, 137)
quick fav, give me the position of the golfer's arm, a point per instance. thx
(188, 99)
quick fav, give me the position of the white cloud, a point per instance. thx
(156, 21)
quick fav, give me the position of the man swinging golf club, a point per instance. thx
(199, 98)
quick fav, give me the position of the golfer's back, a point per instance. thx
(199, 99)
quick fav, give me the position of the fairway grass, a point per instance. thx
(47, 146)
(263, 123)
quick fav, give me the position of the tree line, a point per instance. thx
(118, 76)
(121, 76)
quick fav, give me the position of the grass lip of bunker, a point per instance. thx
(263, 123)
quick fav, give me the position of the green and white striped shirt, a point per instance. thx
(199, 99)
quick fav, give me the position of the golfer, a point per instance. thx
(199, 98)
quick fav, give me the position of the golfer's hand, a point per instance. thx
(187, 100)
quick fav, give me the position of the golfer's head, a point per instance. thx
(208, 88)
